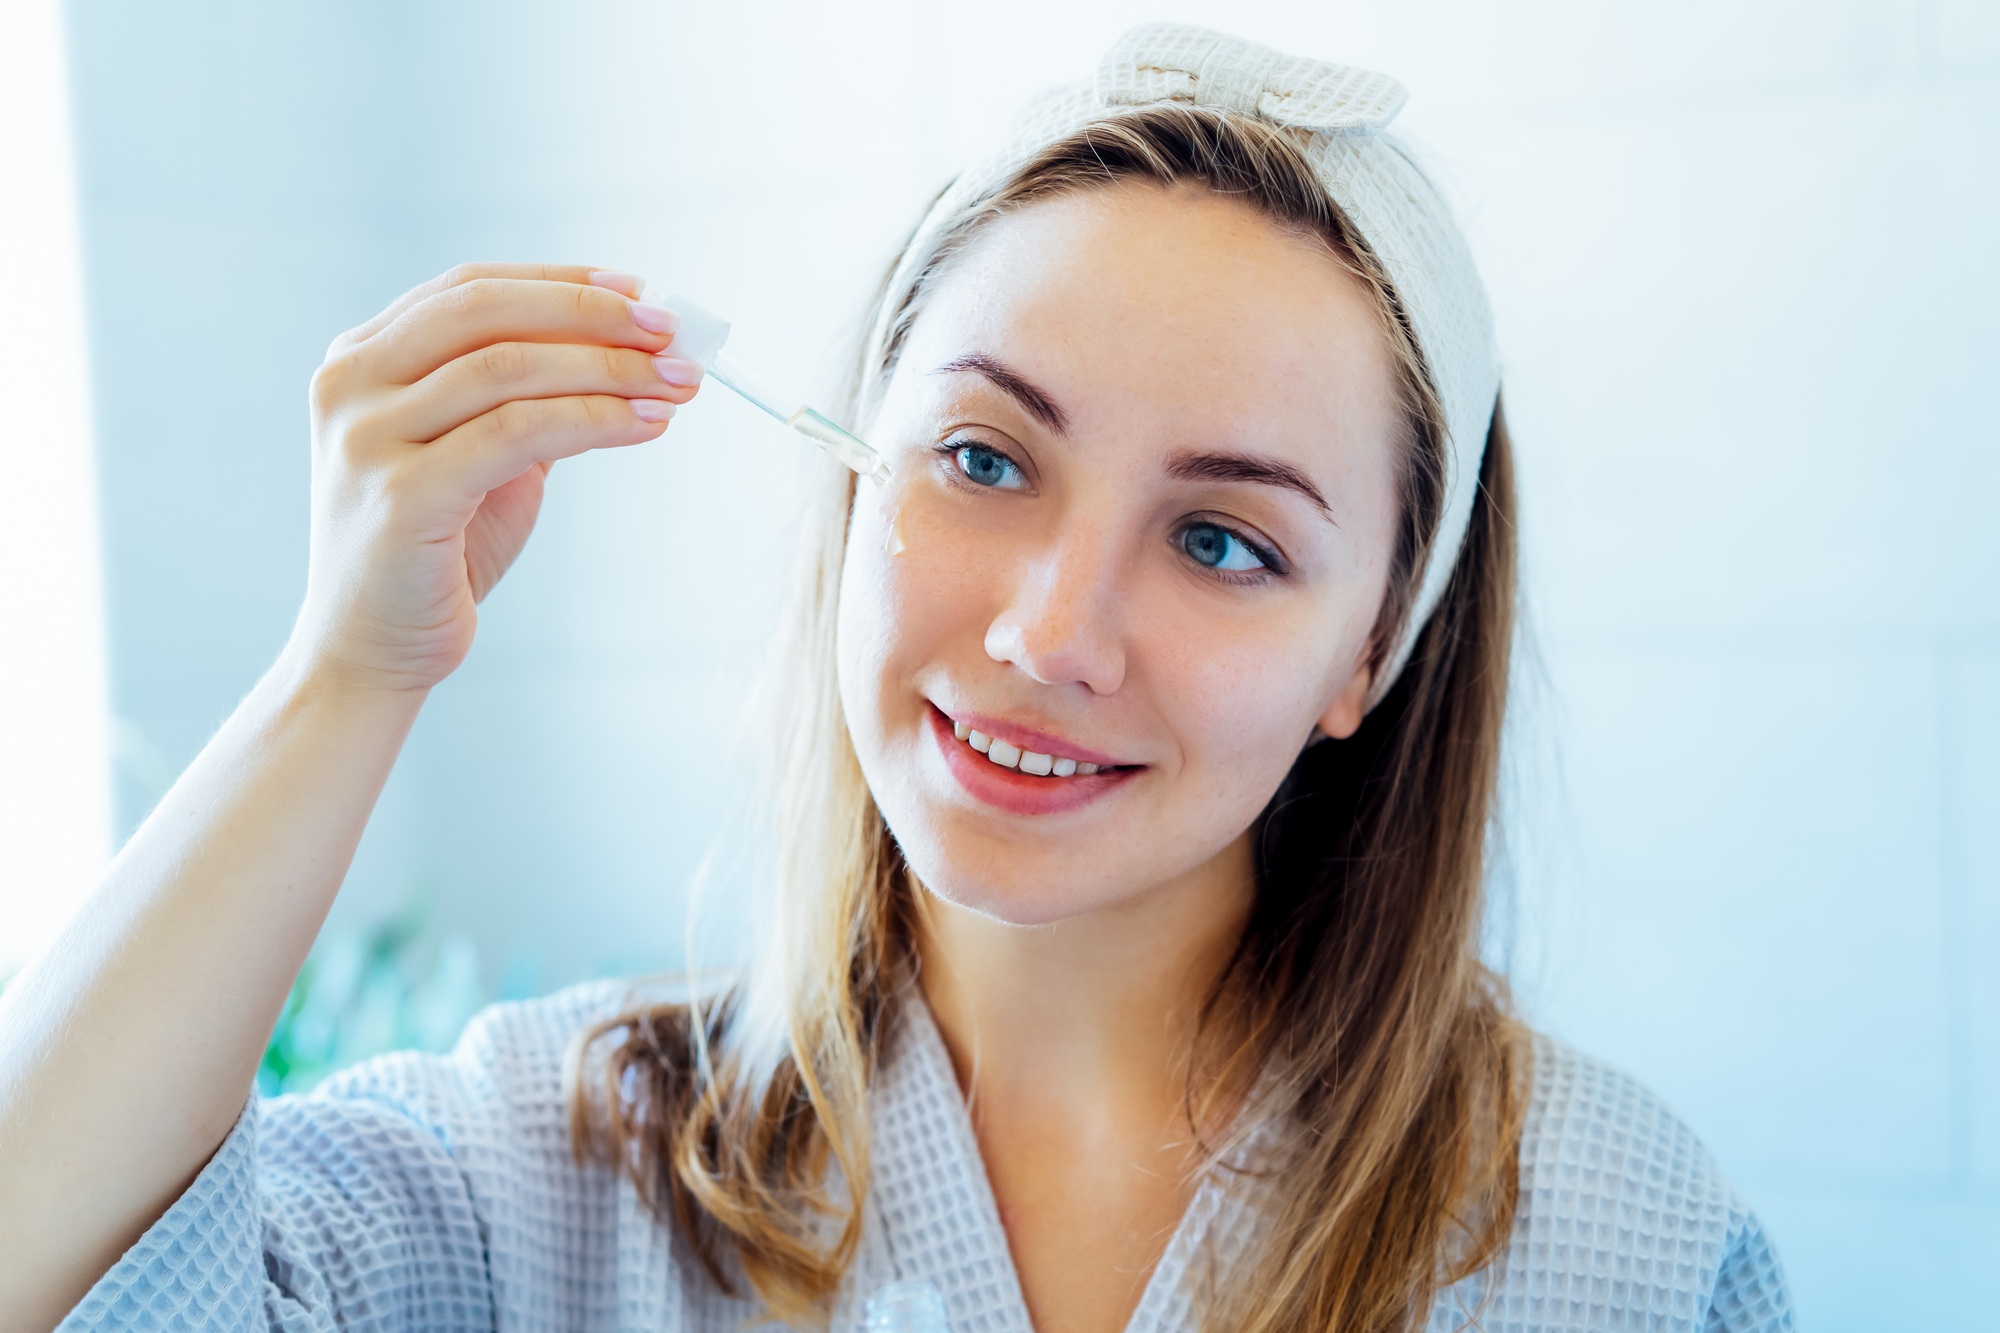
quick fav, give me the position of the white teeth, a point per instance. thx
(1008, 755)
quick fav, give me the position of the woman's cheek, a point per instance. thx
(910, 598)
(1249, 711)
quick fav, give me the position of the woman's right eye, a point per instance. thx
(989, 467)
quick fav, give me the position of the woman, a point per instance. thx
(1136, 771)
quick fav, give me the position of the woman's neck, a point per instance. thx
(1072, 1043)
(1097, 1012)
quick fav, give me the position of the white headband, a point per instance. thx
(1398, 213)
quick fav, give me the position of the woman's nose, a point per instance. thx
(1060, 624)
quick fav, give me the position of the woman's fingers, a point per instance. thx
(495, 447)
(580, 274)
(469, 315)
(480, 381)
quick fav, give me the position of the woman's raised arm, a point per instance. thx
(128, 1048)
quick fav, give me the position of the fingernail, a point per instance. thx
(677, 370)
(652, 409)
(625, 284)
(654, 318)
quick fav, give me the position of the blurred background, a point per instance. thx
(1742, 256)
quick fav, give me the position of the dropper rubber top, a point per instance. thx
(700, 338)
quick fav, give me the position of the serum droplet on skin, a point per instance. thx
(893, 542)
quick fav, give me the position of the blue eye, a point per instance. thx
(989, 467)
(1218, 548)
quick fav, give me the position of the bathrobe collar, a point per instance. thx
(931, 1215)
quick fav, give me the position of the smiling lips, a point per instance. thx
(1009, 775)
(1028, 761)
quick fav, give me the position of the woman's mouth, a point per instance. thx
(1027, 761)
(1024, 773)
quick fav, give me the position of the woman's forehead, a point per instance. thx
(1143, 301)
(1185, 256)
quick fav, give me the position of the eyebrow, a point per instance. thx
(1011, 382)
(1183, 466)
(1247, 467)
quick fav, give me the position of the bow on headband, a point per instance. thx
(1168, 62)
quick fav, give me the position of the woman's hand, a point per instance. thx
(434, 426)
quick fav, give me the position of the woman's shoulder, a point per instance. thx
(430, 1189)
(1625, 1214)
(490, 1124)
(1595, 1125)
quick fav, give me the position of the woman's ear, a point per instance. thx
(1342, 717)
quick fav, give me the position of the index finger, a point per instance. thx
(450, 323)
(582, 274)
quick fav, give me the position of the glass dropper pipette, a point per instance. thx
(700, 338)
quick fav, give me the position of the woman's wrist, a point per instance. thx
(307, 676)
(353, 719)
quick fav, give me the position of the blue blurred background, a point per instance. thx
(1742, 256)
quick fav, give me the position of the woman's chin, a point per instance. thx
(1028, 899)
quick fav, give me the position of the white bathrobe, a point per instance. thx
(420, 1192)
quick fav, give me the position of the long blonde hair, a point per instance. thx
(1356, 992)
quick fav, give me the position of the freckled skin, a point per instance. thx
(1065, 955)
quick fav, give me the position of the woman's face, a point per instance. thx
(1145, 446)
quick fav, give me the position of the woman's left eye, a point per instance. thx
(989, 467)
(1216, 547)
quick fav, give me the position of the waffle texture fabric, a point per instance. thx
(438, 1193)
(1341, 114)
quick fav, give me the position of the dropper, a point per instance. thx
(700, 338)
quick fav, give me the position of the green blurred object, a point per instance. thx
(361, 994)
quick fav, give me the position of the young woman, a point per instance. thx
(1136, 773)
